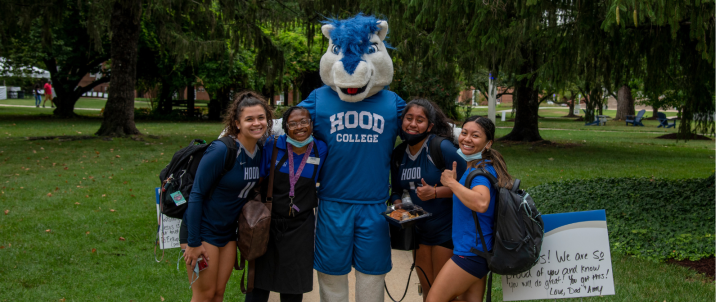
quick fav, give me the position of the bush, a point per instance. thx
(655, 219)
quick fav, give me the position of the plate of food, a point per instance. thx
(405, 216)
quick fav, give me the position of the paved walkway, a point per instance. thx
(395, 280)
(26, 106)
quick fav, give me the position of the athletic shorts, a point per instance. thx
(474, 265)
(352, 235)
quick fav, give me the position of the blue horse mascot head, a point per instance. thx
(356, 64)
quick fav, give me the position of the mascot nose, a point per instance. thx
(357, 79)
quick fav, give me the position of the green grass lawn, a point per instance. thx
(69, 203)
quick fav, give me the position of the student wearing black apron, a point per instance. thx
(414, 171)
(287, 266)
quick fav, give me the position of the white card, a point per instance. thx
(412, 186)
(313, 160)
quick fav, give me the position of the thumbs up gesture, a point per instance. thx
(426, 192)
(449, 176)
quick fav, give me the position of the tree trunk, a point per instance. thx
(625, 103)
(286, 96)
(65, 105)
(190, 100)
(119, 116)
(526, 114)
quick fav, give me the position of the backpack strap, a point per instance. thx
(229, 163)
(468, 184)
(436, 152)
(487, 254)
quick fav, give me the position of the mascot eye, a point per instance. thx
(336, 49)
(373, 48)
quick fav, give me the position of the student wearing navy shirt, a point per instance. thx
(212, 220)
(422, 121)
(287, 266)
(466, 273)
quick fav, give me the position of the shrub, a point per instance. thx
(656, 219)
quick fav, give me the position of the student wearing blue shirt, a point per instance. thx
(287, 266)
(466, 272)
(212, 219)
(414, 171)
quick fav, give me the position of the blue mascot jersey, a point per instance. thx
(360, 138)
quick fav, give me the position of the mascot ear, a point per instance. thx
(381, 33)
(327, 28)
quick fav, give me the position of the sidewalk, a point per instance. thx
(25, 106)
(395, 280)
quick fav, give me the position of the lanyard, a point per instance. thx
(293, 176)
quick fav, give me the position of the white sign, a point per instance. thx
(168, 227)
(575, 261)
(576, 111)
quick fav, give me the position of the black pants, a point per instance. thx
(261, 295)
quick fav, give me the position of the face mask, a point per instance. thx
(472, 157)
(413, 139)
(298, 144)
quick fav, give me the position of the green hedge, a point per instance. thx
(656, 219)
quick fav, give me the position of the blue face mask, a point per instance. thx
(472, 157)
(299, 144)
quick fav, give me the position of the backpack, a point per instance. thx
(178, 176)
(519, 230)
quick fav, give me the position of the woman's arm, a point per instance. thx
(209, 169)
(477, 199)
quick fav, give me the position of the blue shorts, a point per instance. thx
(474, 265)
(352, 235)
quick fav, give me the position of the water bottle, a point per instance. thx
(407, 203)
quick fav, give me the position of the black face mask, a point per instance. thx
(413, 139)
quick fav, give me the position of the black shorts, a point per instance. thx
(474, 265)
(183, 232)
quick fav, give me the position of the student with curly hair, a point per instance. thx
(211, 219)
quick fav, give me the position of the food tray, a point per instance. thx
(408, 222)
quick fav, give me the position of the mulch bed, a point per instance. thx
(705, 266)
(675, 137)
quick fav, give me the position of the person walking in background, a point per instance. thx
(414, 170)
(48, 94)
(467, 272)
(37, 93)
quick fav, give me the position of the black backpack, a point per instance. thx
(519, 230)
(179, 175)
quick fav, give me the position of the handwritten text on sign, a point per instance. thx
(575, 261)
(168, 227)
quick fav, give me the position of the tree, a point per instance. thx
(56, 39)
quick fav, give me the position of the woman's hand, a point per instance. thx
(426, 192)
(449, 177)
(193, 253)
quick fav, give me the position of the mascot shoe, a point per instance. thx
(356, 65)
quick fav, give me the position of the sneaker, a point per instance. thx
(43, 106)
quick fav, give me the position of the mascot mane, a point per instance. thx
(356, 64)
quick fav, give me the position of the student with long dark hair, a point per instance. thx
(413, 170)
(466, 273)
(212, 218)
(287, 265)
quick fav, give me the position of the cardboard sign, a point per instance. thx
(575, 261)
(168, 227)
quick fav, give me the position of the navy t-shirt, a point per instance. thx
(436, 229)
(213, 219)
(465, 235)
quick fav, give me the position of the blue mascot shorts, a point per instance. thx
(352, 234)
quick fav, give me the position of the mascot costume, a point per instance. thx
(359, 120)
